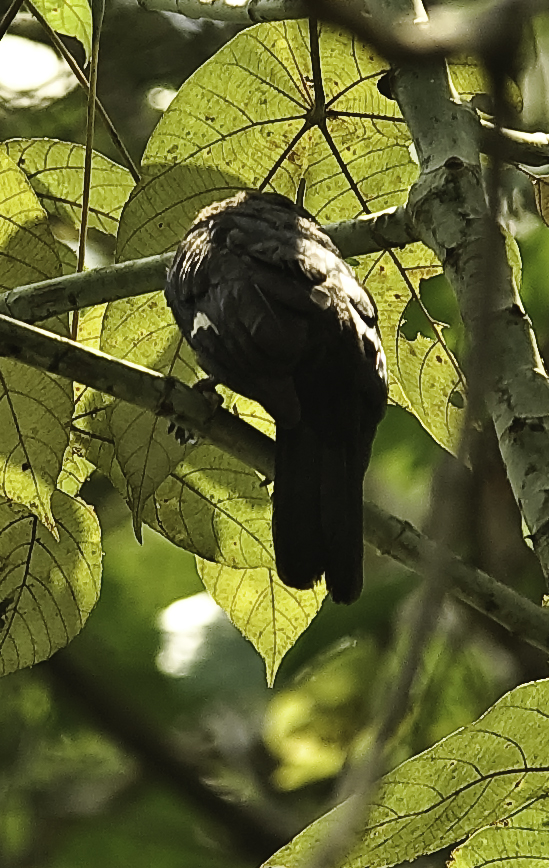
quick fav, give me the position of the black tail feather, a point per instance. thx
(297, 530)
(317, 508)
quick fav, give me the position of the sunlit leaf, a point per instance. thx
(267, 612)
(479, 775)
(47, 588)
(28, 252)
(35, 407)
(469, 78)
(69, 17)
(56, 170)
(424, 377)
(254, 97)
(214, 506)
(521, 840)
(142, 330)
(76, 469)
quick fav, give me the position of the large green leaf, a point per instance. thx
(56, 169)
(267, 612)
(522, 840)
(70, 17)
(35, 407)
(246, 111)
(479, 775)
(47, 587)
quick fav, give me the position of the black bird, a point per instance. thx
(272, 311)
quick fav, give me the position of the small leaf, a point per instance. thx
(216, 507)
(267, 612)
(142, 330)
(56, 170)
(69, 17)
(424, 377)
(47, 588)
(481, 774)
(522, 841)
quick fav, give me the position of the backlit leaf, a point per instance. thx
(522, 840)
(267, 612)
(47, 587)
(424, 377)
(69, 17)
(56, 172)
(254, 97)
(35, 407)
(214, 506)
(481, 774)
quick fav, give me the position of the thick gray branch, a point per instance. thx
(450, 211)
(166, 396)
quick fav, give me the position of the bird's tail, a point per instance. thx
(317, 507)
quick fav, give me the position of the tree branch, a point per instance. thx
(451, 215)
(166, 396)
(37, 301)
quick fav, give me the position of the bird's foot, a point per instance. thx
(183, 436)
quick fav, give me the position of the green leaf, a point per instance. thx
(522, 840)
(47, 587)
(28, 251)
(216, 507)
(479, 775)
(76, 469)
(56, 169)
(267, 612)
(35, 407)
(142, 330)
(254, 97)
(424, 376)
(69, 17)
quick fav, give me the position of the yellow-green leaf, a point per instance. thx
(47, 587)
(56, 171)
(522, 840)
(142, 330)
(267, 612)
(28, 251)
(481, 774)
(424, 376)
(254, 98)
(70, 17)
(35, 407)
(214, 506)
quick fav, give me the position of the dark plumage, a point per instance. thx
(273, 312)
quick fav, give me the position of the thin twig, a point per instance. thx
(98, 9)
(9, 16)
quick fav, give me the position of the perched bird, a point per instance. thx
(272, 311)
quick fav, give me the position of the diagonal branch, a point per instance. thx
(168, 397)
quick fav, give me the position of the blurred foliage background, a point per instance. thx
(153, 739)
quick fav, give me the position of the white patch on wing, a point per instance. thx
(201, 321)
